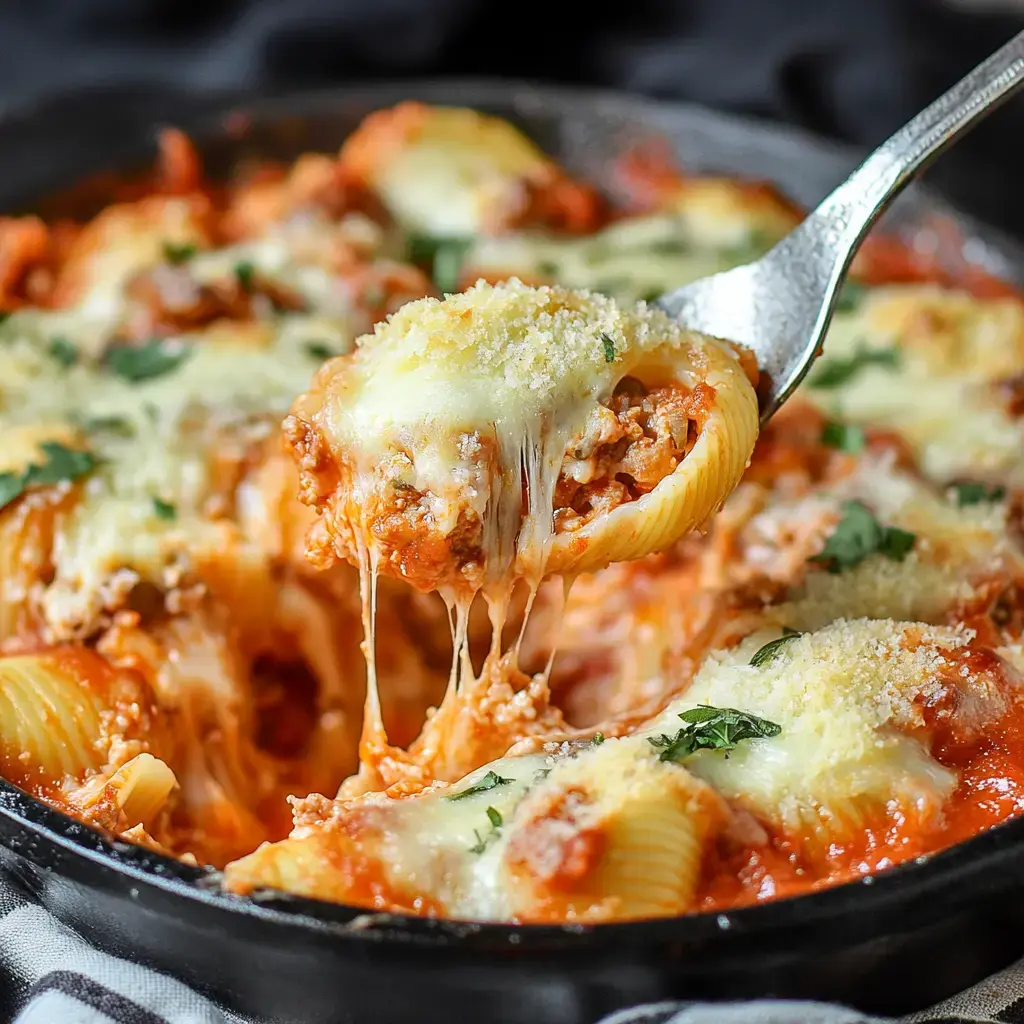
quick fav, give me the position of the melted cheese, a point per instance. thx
(596, 830)
(846, 698)
(956, 551)
(445, 170)
(155, 440)
(635, 258)
(940, 397)
(515, 368)
(477, 855)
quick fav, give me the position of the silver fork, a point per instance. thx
(781, 306)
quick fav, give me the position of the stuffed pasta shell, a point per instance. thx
(592, 832)
(519, 430)
(455, 173)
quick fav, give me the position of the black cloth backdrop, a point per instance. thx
(850, 69)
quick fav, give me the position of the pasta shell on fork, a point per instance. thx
(517, 431)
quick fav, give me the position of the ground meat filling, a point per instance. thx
(432, 539)
(406, 530)
(631, 442)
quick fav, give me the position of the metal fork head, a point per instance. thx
(780, 306)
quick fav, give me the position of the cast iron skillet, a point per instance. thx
(893, 943)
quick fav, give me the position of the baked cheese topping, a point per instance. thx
(472, 404)
(909, 356)
(152, 508)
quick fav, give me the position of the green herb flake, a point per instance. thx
(447, 267)
(609, 348)
(319, 350)
(833, 373)
(846, 437)
(164, 510)
(859, 534)
(63, 351)
(850, 296)
(598, 739)
(5, 315)
(118, 425)
(652, 296)
(973, 493)
(443, 257)
(708, 728)
(421, 248)
(489, 781)
(768, 653)
(547, 268)
(178, 254)
(245, 274)
(153, 359)
(896, 543)
(11, 485)
(62, 464)
(494, 817)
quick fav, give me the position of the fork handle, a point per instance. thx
(859, 201)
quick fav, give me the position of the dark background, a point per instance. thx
(850, 69)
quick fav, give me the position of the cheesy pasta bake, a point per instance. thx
(368, 533)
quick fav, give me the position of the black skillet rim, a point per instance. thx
(940, 879)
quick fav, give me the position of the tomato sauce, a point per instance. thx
(990, 791)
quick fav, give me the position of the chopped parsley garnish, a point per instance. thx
(709, 728)
(61, 464)
(598, 739)
(609, 348)
(448, 265)
(245, 274)
(153, 359)
(547, 268)
(850, 296)
(319, 350)
(4, 315)
(118, 425)
(859, 534)
(175, 253)
(489, 781)
(421, 248)
(847, 437)
(496, 820)
(164, 510)
(63, 351)
(443, 256)
(652, 296)
(833, 373)
(768, 653)
(973, 493)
